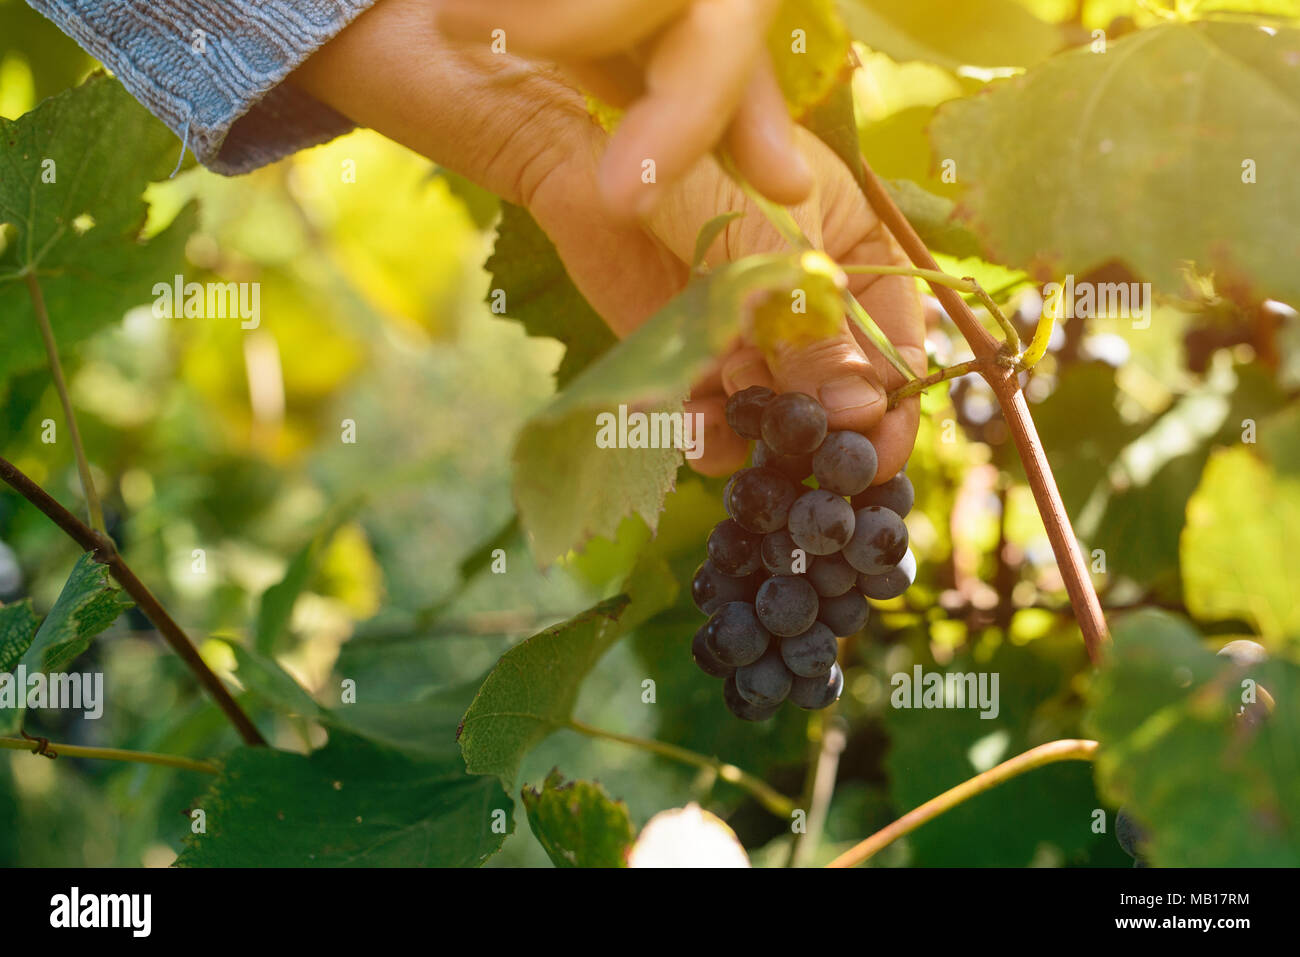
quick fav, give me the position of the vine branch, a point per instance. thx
(1006, 387)
(48, 749)
(773, 800)
(1050, 753)
(61, 386)
(105, 552)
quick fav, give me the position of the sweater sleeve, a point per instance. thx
(213, 70)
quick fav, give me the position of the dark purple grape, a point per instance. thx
(794, 423)
(786, 605)
(845, 614)
(831, 575)
(745, 411)
(821, 522)
(706, 660)
(893, 582)
(845, 463)
(811, 654)
(794, 467)
(735, 636)
(813, 694)
(896, 495)
(879, 540)
(1130, 834)
(733, 549)
(760, 499)
(741, 708)
(766, 682)
(779, 553)
(711, 589)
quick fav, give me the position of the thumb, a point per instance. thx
(838, 374)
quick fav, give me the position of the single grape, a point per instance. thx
(779, 554)
(786, 605)
(879, 540)
(741, 708)
(845, 463)
(795, 467)
(897, 495)
(821, 522)
(733, 549)
(1130, 834)
(893, 582)
(766, 682)
(811, 654)
(711, 589)
(831, 575)
(705, 659)
(813, 694)
(794, 423)
(845, 614)
(735, 635)
(1244, 652)
(745, 411)
(760, 499)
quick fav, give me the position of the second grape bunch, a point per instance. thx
(791, 569)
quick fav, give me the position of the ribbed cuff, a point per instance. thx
(213, 71)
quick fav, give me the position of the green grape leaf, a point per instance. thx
(1238, 547)
(353, 803)
(567, 487)
(808, 44)
(422, 723)
(88, 603)
(987, 33)
(532, 690)
(276, 607)
(577, 823)
(264, 678)
(932, 750)
(933, 219)
(18, 624)
(1107, 150)
(71, 176)
(1211, 790)
(539, 294)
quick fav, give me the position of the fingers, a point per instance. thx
(744, 368)
(762, 141)
(723, 451)
(559, 29)
(838, 374)
(696, 76)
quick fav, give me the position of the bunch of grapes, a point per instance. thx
(790, 571)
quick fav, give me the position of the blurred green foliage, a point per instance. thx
(360, 593)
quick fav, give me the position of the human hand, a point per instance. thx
(691, 74)
(523, 131)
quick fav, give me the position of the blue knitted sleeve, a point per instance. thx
(213, 70)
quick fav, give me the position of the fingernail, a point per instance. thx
(850, 392)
